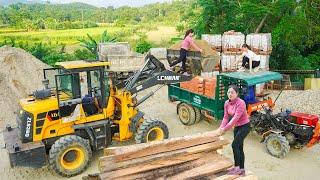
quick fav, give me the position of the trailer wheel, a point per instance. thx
(198, 114)
(152, 130)
(187, 114)
(70, 155)
(277, 145)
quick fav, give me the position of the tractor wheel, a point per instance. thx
(152, 130)
(291, 138)
(70, 155)
(277, 145)
(187, 114)
(198, 114)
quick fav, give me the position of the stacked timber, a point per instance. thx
(188, 157)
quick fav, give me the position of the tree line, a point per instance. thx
(80, 15)
(294, 24)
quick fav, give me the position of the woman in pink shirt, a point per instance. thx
(185, 46)
(235, 115)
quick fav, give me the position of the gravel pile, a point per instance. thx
(302, 101)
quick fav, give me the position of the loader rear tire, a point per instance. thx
(187, 114)
(152, 130)
(277, 145)
(70, 155)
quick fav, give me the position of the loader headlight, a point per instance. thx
(134, 100)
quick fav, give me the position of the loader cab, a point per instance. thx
(82, 87)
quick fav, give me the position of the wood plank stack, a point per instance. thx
(188, 157)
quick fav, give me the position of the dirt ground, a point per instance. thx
(298, 164)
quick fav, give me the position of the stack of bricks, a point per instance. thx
(203, 86)
(196, 85)
(210, 87)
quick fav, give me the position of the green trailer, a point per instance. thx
(192, 106)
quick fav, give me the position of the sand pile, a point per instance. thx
(20, 74)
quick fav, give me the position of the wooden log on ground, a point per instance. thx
(217, 164)
(167, 171)
(164, 146)
(112, 164)
(150, 166)
(146, 149)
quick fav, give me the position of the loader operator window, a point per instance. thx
(96, 86)
(68, 86)
(95, 100)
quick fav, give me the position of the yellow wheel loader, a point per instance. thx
(84, 111)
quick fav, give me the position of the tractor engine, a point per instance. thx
(295, 126)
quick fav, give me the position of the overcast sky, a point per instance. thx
(114, 3)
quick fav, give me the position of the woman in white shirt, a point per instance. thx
(247, 55)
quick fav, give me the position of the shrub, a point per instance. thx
(143, 46)
(84, 54)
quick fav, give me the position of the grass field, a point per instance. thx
(158, 35)
(67, 37)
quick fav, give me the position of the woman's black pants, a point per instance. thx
(245, 63)
(240, 133)
(182, 58)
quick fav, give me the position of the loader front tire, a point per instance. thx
(70, 155)
(152, 130)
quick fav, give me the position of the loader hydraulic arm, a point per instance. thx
(151, 74)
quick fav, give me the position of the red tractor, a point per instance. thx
(285, 129)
